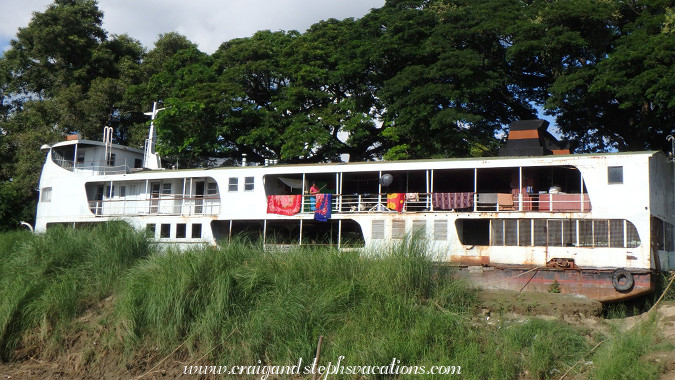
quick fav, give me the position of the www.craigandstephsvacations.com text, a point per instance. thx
(264, 371)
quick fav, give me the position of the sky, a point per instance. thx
(208, 23)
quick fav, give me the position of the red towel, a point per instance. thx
(284, 204)
(395, 201)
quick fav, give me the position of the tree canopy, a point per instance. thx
(413, 79)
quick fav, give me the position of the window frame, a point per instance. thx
(615, 175)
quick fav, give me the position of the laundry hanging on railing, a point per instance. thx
(395, 201)
(452, 201)
(284, 204)
(323, 207)
(412, 197)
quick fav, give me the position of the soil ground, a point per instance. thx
(73, 361)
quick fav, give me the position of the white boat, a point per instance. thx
(599, 225)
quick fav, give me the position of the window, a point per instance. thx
(540, 233)
(569, 233)
(525, 232)
(600, 233)
(180, 230)
(138, 163)
(165, 231)
(616, 233)
(378, 229)
(196, 231)
(418, 227)
(150, 230)
(80, 157)
(46, 195)
(233, 184)
(510, 232)
(614, 174)
(632, 237)
(212, 188)
(475, 231)
(166, 188)
(555, 233)
(440, 230)
(110, 191)
(497, 232)
(397, 229)
(585, 233)
(248, 183)
(123, 191)
(111, 160)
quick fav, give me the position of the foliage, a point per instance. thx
(412, 79)
(47, 280)
(621, 357)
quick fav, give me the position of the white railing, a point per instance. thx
(93, 167)
(162, 204)
(463, 202)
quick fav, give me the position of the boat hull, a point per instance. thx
(592, 283)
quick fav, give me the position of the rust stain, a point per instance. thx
(593, 284)
(470, 260)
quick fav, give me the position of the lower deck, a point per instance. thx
(575, 256)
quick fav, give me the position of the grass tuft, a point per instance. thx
(53, 277)
(239, 304)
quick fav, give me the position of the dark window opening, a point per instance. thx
(248, 183)
(197, 231)
(233, 185)
(473, 231)
(180, 230)
(525, 232)
(165, 231)
(212, 188)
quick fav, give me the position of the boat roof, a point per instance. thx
(417, 164)
(94, 143)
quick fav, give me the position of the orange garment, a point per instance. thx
(395, 201)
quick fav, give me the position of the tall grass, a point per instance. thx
(622, 356)
(241, 305)
(49, 279)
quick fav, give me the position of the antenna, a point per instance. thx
(151, 159)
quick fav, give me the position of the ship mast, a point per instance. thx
(151, 159)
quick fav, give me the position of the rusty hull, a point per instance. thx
(592, 283)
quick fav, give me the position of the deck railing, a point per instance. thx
(92, 167)
(162, 204)
(457, 202)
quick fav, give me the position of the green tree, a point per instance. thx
(62, 74)
(330, 96)
(603, 68)
(446, 84)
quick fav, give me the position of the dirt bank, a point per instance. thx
(84, 356)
